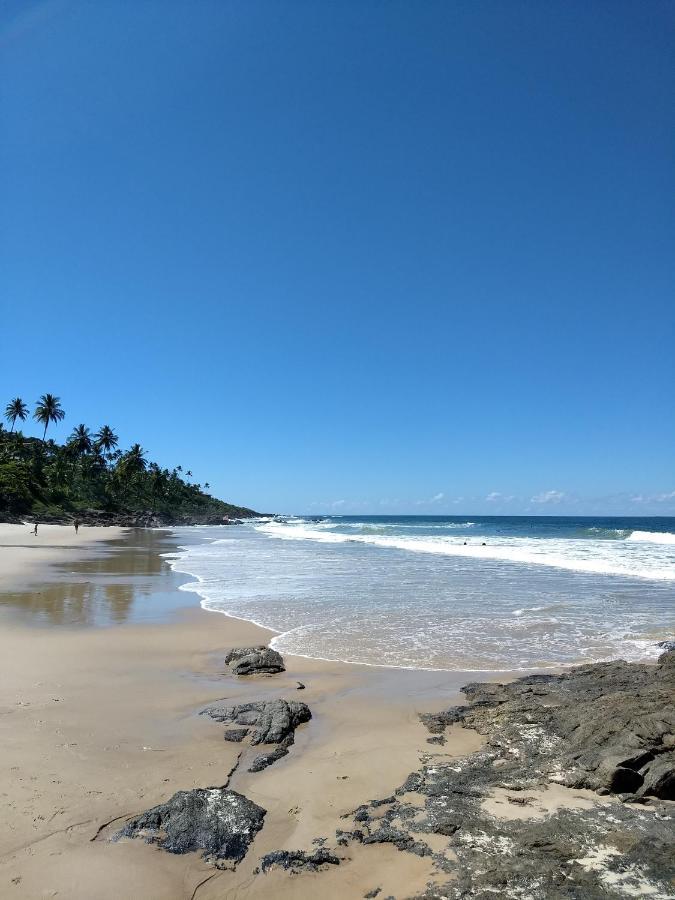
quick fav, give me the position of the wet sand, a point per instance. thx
(25, 557)
(100, 723)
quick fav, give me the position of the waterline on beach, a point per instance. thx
(335, 598)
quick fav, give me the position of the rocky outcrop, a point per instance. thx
(299, 861)
(254, 661)
(509, 819)
(264, 722)
(609, 727)
(141, 519)
(219, 822)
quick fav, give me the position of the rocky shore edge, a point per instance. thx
(147, 519)
(572, 794)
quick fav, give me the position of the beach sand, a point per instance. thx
(100, 723)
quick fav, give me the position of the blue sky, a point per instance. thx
(351, 256)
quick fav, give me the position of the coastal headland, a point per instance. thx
(337, 780)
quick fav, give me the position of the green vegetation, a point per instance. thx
(90, 478)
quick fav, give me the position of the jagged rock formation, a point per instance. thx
(609, 727)
(511, 819)
(255, 661)
(265, 722)
(219, 822)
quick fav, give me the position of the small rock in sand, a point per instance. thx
(255, 661)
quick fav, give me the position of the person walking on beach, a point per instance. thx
(35, 529)
(76, 523)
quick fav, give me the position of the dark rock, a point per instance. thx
(266, 759)
(373, 893)
(385, 801)
(236, 735)
(667, 645)
(599, 724)
(270, 721)
(254, 661)
(609, 726)
(219, 822)
(300, 686)
(298, 860)
(266, 722)
(436, 739)
(659, 778)
(436, 723)
(618, 778)
(402, 840)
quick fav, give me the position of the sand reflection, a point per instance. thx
(126, 580)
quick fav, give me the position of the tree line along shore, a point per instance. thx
(90, 478)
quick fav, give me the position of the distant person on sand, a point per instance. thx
(76, 523)
(35, 529)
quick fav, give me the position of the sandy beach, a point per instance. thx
(107, 667)
(99, 724)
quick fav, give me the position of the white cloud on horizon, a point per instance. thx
(435, 499)
(552, 496)
(653, 498)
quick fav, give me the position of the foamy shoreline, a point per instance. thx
(553, 622)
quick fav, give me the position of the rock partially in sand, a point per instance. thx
(255, 661)
(267, 722)
(270, 720)
(298, 860)
(236, 735)
(219, 822)
(266, 759)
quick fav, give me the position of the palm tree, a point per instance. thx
(80, 440)
(134, 460)
(48, 409)
(157, 483)
(206, 485)
(106, 439)
(16, 409)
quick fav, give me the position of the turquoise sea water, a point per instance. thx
(471, 592)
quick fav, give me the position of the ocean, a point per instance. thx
(471, 593)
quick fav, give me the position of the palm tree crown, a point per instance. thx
(134, 459)
(16, 409)
(48, 409)
(106, 439)
(80, 440)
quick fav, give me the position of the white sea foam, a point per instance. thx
(652, 537)
(600, 557)
(329, 597)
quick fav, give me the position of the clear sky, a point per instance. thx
(350, 256)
